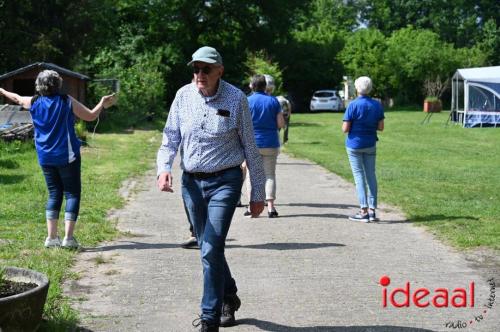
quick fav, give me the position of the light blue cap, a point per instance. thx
(206, 54)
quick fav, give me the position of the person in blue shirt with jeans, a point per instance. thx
(363, 117)
(58, 149)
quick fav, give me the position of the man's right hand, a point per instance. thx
(256, 208)
(164, 182)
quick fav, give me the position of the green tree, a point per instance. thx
(459, 21)
(340, 14)
(58, 31)
(141, 77)
(314, 63)
(489, 43)
(260, 63)
(182, 26)
(364, 54)
(315, 39)
(417, 55)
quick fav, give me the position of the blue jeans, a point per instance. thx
(363, 169)
(63, 180)
(211, 203)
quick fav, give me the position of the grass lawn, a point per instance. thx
(106, 162)
(444, 177)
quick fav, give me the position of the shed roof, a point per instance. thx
(480, 74)
(14, 114)
(45, 65)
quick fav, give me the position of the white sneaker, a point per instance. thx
(52, 243)
(70, 243)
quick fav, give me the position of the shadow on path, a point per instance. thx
(83, 329)
(286, 246)
(295, 163)
(318, 215)
(133, 246)
(273, 327)
(130, 245)
(436, 217)
(321, 205)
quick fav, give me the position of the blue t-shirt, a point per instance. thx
(55, 138)
(264, 109)
(364, 114)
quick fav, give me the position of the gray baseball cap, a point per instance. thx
(206, 54)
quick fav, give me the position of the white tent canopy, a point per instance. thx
(475, 98)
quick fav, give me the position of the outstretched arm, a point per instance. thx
(25, 102)
(86, 114)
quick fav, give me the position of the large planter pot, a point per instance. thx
(432, 106)
(23, 312)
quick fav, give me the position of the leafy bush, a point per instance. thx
(260, 63)
(431, 99)
(81, 130)
(364, 55)
(141, 80)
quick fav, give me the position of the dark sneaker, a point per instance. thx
(247, 213)
(231, 304)
(373, 216)
(205, 326)
(239, 204)
(360, 217)
(191, 243)
(273, 214)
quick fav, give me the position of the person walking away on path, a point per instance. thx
(58, 149)
(209, 122)
(363, 117)
(286, 108)
(267, 118)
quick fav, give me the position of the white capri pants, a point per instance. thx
(269, 159)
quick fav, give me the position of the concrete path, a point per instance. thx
(309, 270)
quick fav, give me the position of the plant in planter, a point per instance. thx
(432, 104)
(434, 88)
(22, 296)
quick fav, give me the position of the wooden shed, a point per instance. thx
(22, 80)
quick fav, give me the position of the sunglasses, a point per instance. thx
(205, 70)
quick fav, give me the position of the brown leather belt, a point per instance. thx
(202, 176)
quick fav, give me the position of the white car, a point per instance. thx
(326, 100)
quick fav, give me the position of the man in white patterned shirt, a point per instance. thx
(210, 123)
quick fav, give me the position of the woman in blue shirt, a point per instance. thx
(363, 117)
(58, 149)
(267, 118)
